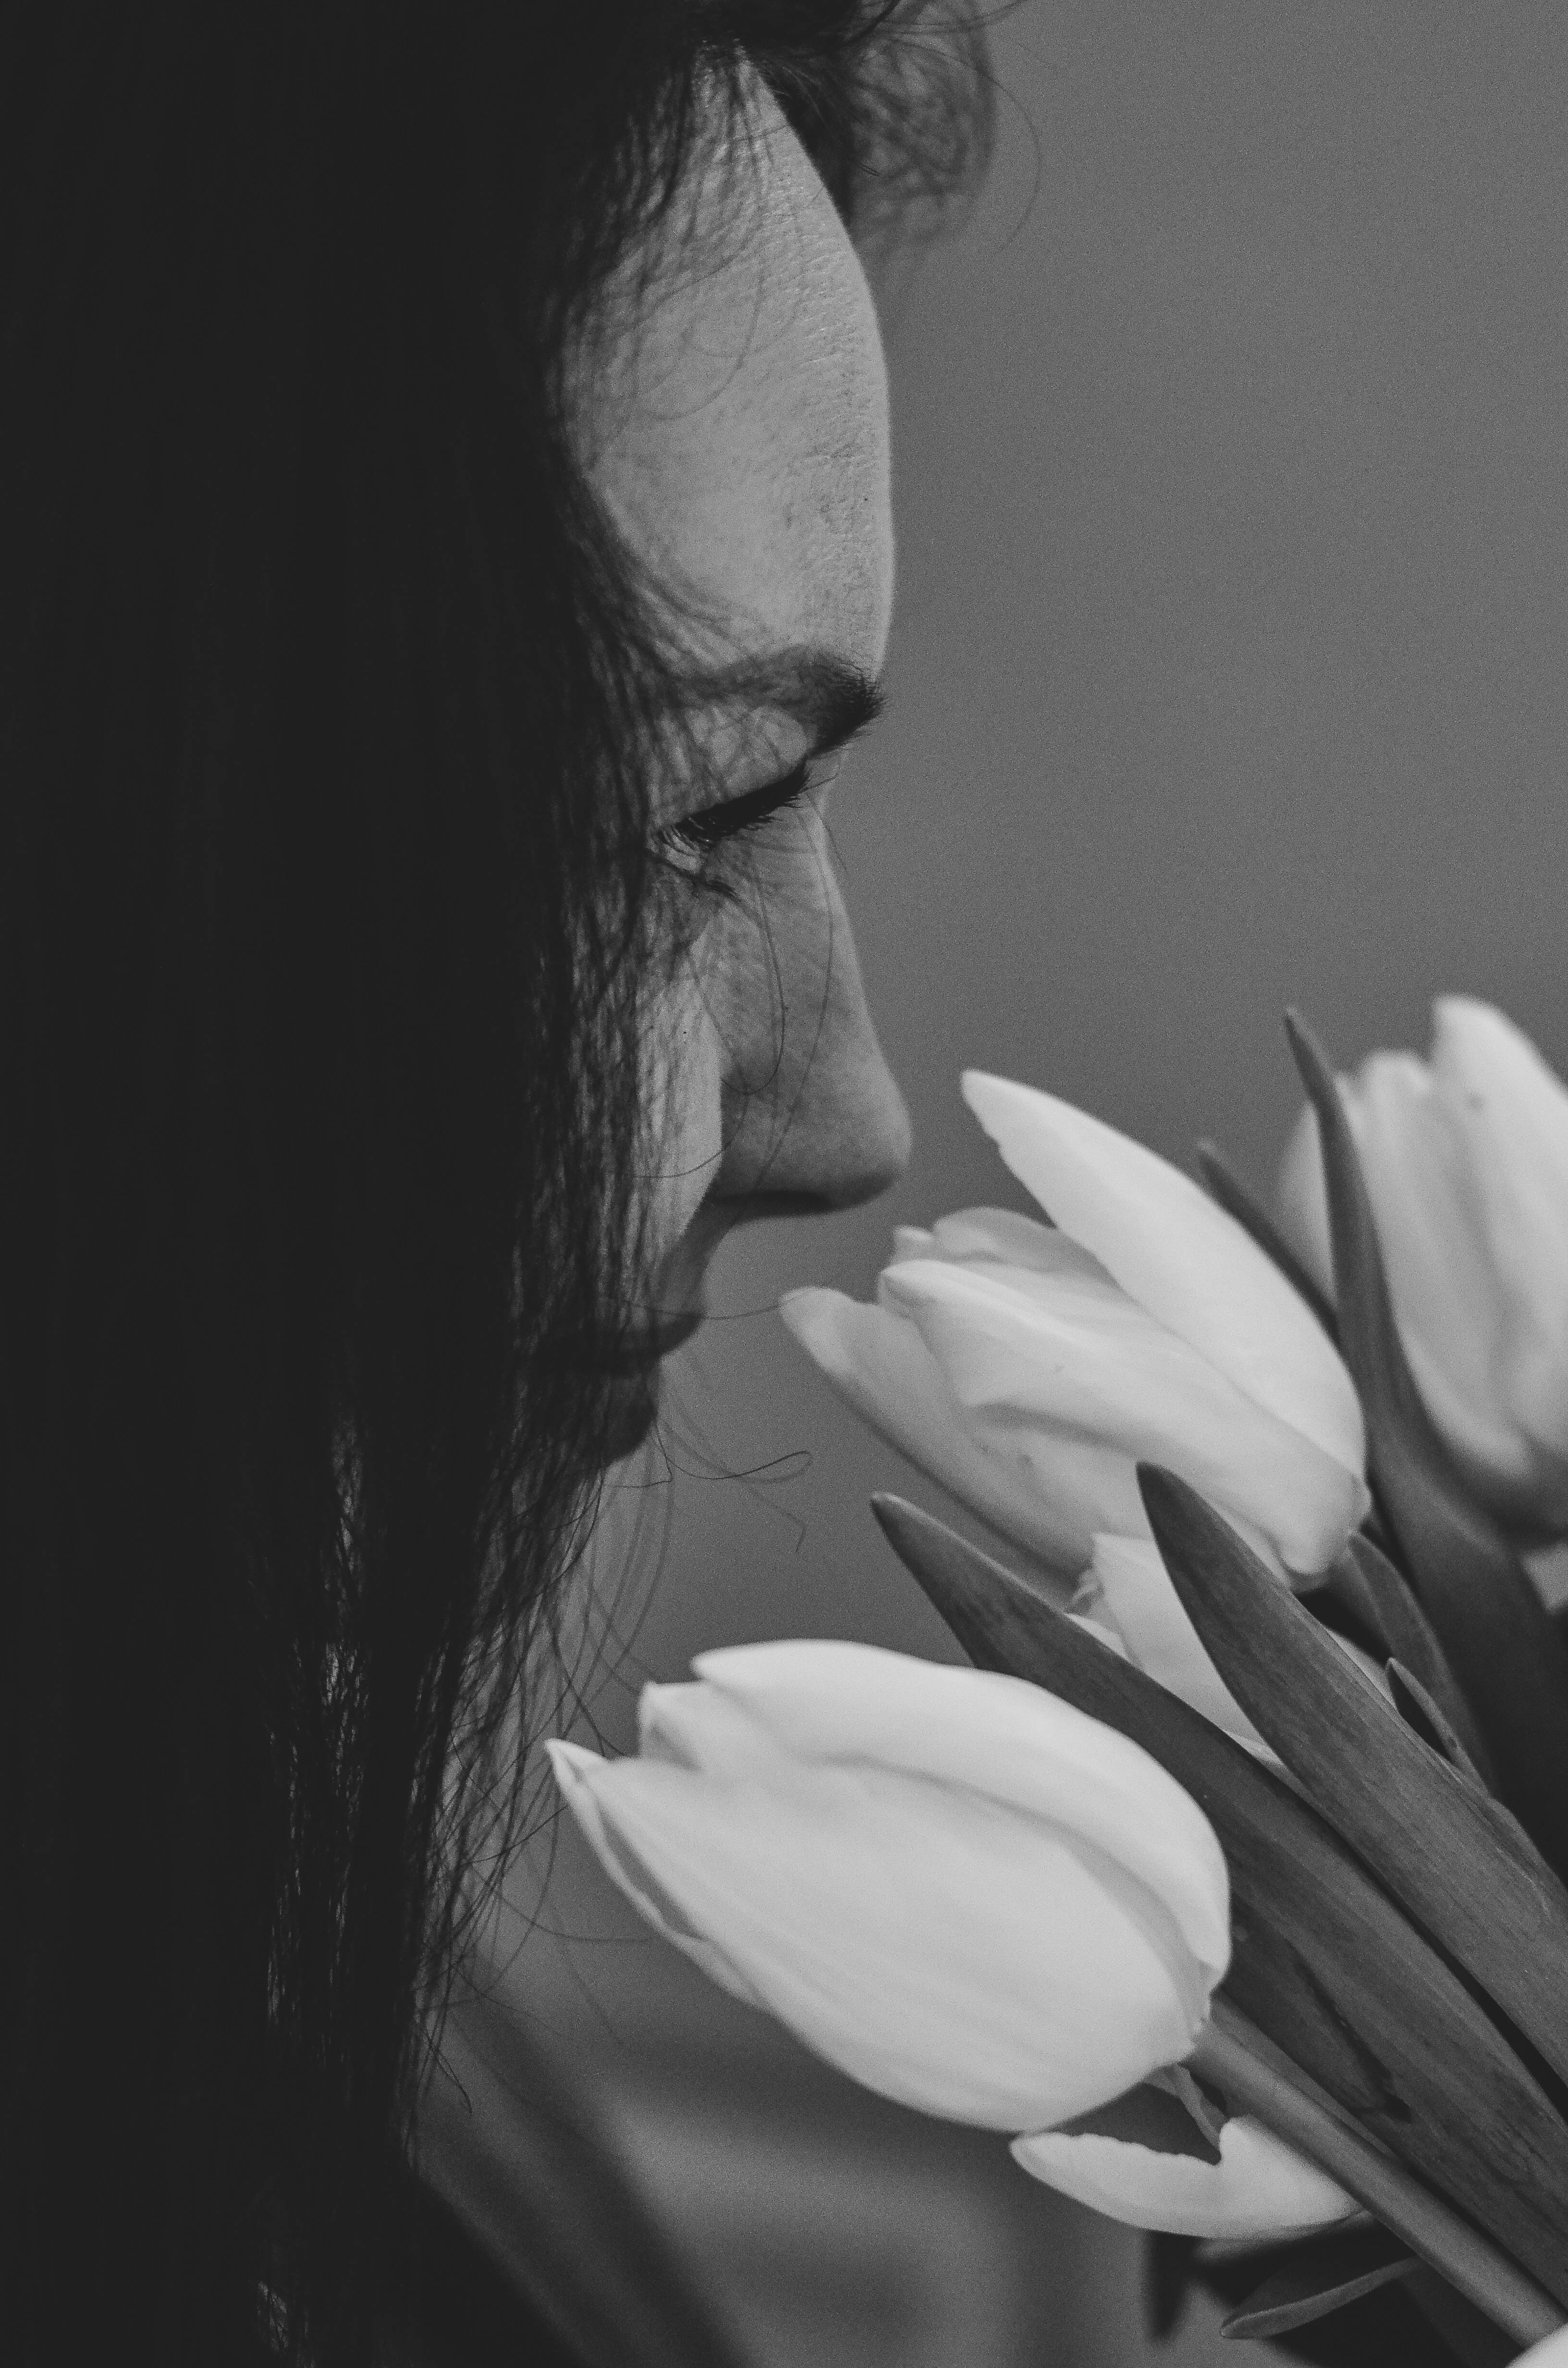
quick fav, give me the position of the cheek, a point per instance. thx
(683, 1098)
(781, 946)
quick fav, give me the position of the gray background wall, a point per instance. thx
(1228, 670)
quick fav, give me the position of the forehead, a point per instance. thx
(735, 414)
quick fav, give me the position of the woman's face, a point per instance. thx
(738, 434)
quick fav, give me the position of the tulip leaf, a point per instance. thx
(1450, 1857)
(1408, 1637)
(1226, 1187)
(1508, 1657)
(1324, 1961)
(1334, 1602)
(1421, 1714)
(1473, 2339)
(1317, 2277)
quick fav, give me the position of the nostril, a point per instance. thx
(846, 1141)
(752, 1207)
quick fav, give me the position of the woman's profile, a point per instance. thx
(444, 539)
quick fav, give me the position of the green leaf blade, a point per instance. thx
(1426, 1830)
(1324, 1963)
(1318, 2277)
(1408, 1636)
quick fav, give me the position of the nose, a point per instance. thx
(814, 1118)
(840, 1147)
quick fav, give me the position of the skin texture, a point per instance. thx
(736, 428)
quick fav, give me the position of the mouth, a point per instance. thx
(633, 1368)
(672, 1299)
(635, 1354)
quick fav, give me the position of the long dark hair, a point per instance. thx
(326, 710)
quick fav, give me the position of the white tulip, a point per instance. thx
(1466, 1161)
(1178, 1256)
(1143, 1325)
(879, 1363)
(947, 1883)
(1259, 2187)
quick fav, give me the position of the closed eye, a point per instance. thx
(712, 827)
(836, 701)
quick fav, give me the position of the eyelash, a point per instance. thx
(712, 827)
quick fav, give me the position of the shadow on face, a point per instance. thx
(735, 427)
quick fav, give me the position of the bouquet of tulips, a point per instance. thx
(1229, 1879)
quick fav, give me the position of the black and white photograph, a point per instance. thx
(784, 1278)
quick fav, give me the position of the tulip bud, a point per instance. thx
(1144, 1324)
(1259, 2187)
(952, 1885)
(877, 1360)
(1466, 1163)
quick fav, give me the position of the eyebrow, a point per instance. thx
(829, 697)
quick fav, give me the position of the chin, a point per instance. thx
(634, 1409)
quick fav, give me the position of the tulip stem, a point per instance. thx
(1434, 2231)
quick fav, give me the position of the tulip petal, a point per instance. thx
(696, 1727)
(1148, 1615)
(1512, 1112)
(1410, 1134)
(999, 1738)
(1425, 1142)
(1259, 2187)
(1031, 1492)
(1179, 1255)
(980, 1964)
(1071, 1350)
(1000, 1237)
(991, 1236)
(574, 1770)
(1431, 1228)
